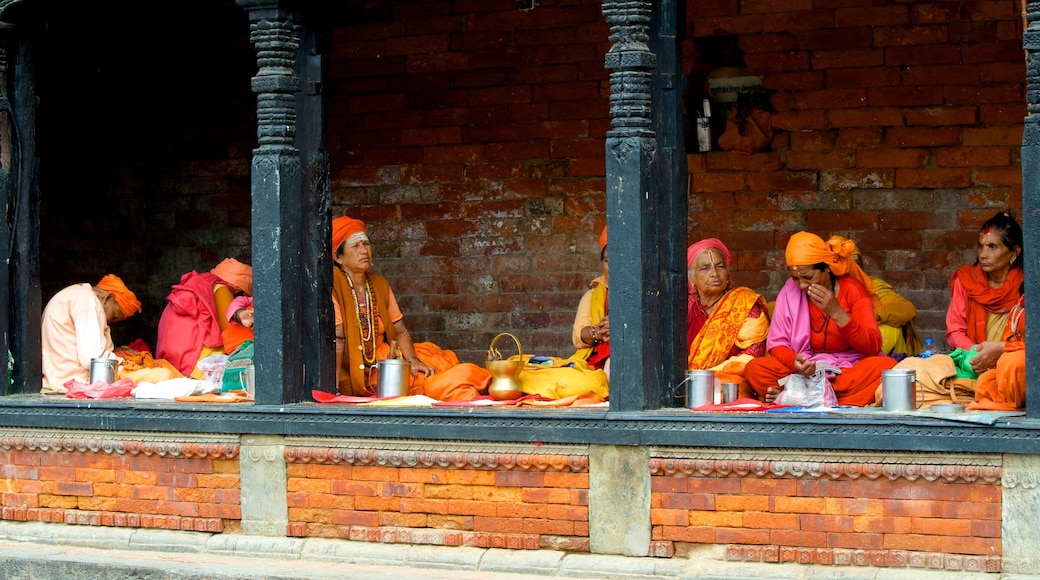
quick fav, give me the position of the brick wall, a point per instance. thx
(487, 500)
(882, 512)
(470, 137)
(122, 483)
(899, 125)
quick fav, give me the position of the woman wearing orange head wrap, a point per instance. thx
(191, 324)
(369, 320)
(824, 313)
(591, 331)
(726, 326)
(75, 329)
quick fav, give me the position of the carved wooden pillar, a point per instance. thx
(667, 95)
(278, 275)
(633, 210)
(25, 300)
(1031, 207)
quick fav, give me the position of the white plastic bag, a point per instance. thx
(213, 366)
(814, 390)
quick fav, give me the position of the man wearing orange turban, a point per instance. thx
(75, 329)
(824, 313)
(191, 325)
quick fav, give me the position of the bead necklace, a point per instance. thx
(366, 325)
(706, 309)
(1017, 311)
(822, 329)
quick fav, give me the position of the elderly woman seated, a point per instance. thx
(824, 314)
(727, 326)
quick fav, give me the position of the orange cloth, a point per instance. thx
(854, 386)
(1004, 388)
(126, 299)
(807, 249)
(235, 273)
(234, 335)
(140, 366)
(603, 240)
(462, 382)
(342, 228)
(983, 298)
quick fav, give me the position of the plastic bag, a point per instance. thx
(213, 366)
(814, 390)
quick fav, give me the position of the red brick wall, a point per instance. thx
(470, 137)
(899, 125)
(98, 482)
(487, 500)
(889, 515)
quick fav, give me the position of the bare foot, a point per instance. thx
(771, 394)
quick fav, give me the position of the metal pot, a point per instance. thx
(102, 369)
(504, 373)
(394, 376)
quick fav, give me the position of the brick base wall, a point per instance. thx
(502, 498)
(889, 511)
(100, 481)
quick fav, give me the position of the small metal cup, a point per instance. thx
(251, 380)
(729, 392)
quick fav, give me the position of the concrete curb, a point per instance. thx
(38, 551)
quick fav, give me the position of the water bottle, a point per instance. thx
(928, 349)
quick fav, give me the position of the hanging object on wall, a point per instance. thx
(726, 84)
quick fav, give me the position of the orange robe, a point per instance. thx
(1003, 388)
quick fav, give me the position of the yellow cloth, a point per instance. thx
(728, 325)
(559, 380)
(895, 316)
(597, 310)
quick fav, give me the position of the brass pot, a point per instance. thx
(504, 372)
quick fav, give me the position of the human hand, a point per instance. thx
(824, 299)
(771, 394)
(804, 366)
(602, 329)
(246, 317)
(420, 367)
(986, 358)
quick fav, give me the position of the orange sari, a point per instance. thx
(1004, 388)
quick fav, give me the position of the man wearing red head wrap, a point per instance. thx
(75, 329)
(369, 321)
(191, 325)
(824, 313)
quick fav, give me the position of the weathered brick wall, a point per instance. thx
(469, 136)
(494, 499)
(880, 511)
(899, 125)
(120, 482)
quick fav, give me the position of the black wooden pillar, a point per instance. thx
(7, 194)
(1031, 207)
(319, 358)
(634, 211)
(667, 96)
(25, 300)
(277, 192)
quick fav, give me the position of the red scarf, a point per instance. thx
(983, 298)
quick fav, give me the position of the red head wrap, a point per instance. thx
(342, 228)
(603, 240)
(126, 299)
(692, 251)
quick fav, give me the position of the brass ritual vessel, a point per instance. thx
(504, 372)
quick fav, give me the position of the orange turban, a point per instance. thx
(238, 275)
(807, 249)
(603, 240)
(342, 228)
(126, 299)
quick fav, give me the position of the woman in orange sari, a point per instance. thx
(1003, 388)
(726, 326)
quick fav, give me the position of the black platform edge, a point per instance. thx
(867, 430)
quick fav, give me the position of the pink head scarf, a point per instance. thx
(692, 251)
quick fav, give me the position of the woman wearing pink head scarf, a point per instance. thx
(726, 326)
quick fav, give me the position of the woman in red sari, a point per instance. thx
(726, 326)
(982, 295)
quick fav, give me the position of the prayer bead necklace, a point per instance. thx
(822, 329)
(366, 325)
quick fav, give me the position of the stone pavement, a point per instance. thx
(45, 551)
